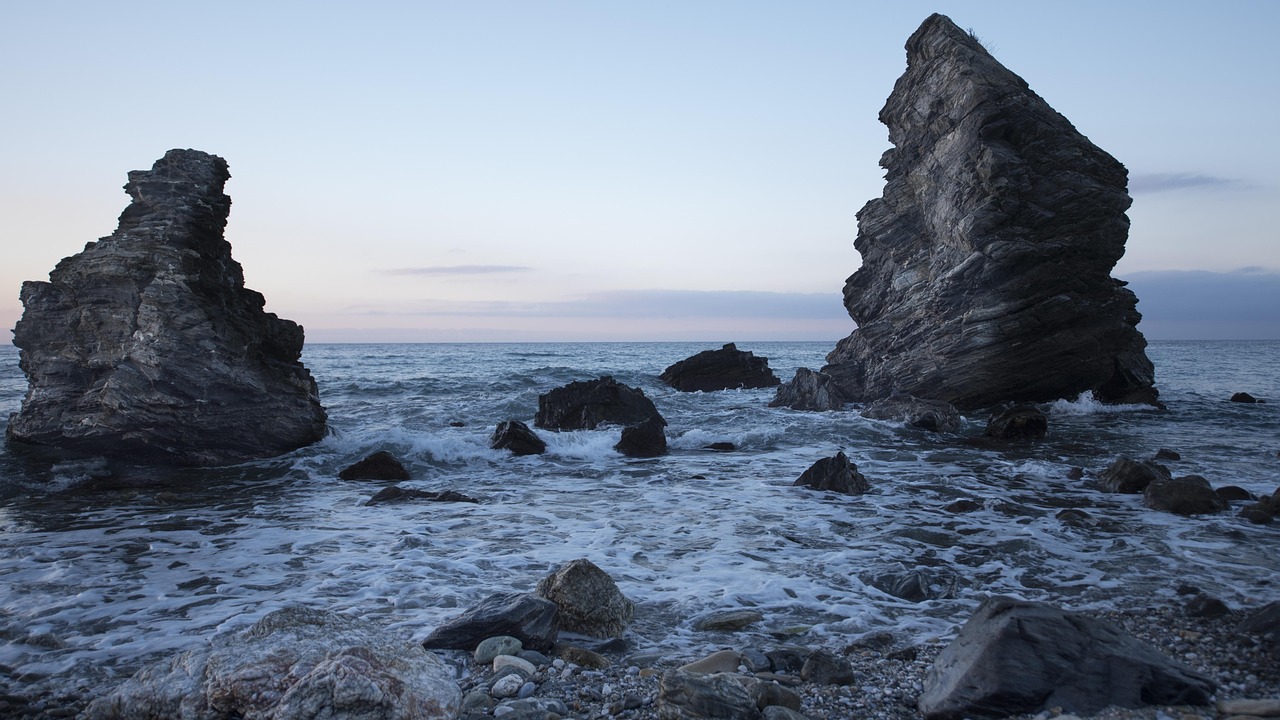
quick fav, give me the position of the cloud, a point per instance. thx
(1163, 182)
(1242, 304)
(457, 270)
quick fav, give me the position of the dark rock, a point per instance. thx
(1016, 657)
(723, 369)
(693, 696)
(586, 405)
(589, 600)
(1257, 514)
(769, 694)
(727, 620)
(1233, 493)
(1206, 606)
(646, 440)
(932, 415)
(1075, 473)
(787, 659)
(824, 668)
(582, 657)
(1264, 623)
(1167, 454)
(1244, 397)
(721, 447)
(986, 264)
(1131, 476)
(532, 620)
(396, 494)
(148, 347)
(1189, 495)
(963, 505)
(1018, 422)
(917, 585)
(381, 465)
(809, 390)
(836, 474)
(1075, 518)
(515, 436)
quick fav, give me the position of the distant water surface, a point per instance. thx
(96, 582)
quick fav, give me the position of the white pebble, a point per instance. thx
(558, 663)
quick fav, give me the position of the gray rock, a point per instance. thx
(646, 440)
(986, 263)
(1016, 657)
(723, 369)
(515, 436)
(589, 600)
(692, 696)
(836, 474)
(148, 347)
(824, 668)
(768, 694)
(533, 620)
(1264, 623)
(1131, 476)
(586, 405)
(727, 620)
(490, 648)
(917, 412)
(1189, 495)
(809, 390)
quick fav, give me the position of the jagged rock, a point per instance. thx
(589, 600)
(293, 664)
(381, 465)
(986, 264)
(693, 696)
(148, 347)
(925, 414)
(837, 474)
(723, 369)
(515, 436)
(396, 494)
(1016, 657)
(1018, 422)
(809, 390)
(645, 440)
(1189, 495)
(1131, 476)
(534, 621)
(585, 405)
(1244, 397)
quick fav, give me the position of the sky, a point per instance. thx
(576, 171)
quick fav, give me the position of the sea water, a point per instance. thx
(97, 580)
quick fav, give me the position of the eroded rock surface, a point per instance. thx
(986, 264)
(147, 345)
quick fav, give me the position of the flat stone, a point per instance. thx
(723, 661)
(1258, 707)
(727, 620)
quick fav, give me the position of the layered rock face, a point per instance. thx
(986, 264)
(148, 347)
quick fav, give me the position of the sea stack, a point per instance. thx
(986, 265)
(147, 347)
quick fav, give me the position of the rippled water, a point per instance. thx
(95, 581)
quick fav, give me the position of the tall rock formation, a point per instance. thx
(986, 265)
(148, 347)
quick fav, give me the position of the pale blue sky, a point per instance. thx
(607, 170)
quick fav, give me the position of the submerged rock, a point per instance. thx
(381, 465)
(1189, 495)
(933, 415)
(809, 390)
(396, 494)
(724, 369)
(586, 405)
(986, 264)
(1019, 422)
(148, 347)
(1131, 476)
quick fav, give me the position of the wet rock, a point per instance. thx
(1131, 476)
(727, 620)
(723, 369)
(1206, 606)
(396, 494)
(1017, 423)
(589, 600)
(147, 346)
(787, 659)
(586, 405)
(963, 505)
(722, 661)
(1265, 624)
(918, 585)
(809, 390)
(646, 440)
(533, 620)
(515, 436)
(1189, 495)
(692, 696)
(1075, 473)
(1016, 657)
(1233, 493)
(721, 447)
(836, 474)
(1244, 397)
(986, 264)
(933, 415)
(381, 465)
(1076, 518)
(293, 664)
(824, 668)
(1257, 513)
(1167, 454)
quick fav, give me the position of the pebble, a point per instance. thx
(507, 686)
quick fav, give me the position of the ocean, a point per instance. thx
(97, 580)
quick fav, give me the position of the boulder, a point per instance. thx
(837, 474)
(515, 436)
(694, 696)
(396, 494)
(293, 664)
(1189, 495)
(1016, 657)
(381, 465)
(1131, 476)
(986, 264)
(1234, 493)
(933, 415)
(532, 620)
(589, 600)
(824, 668)
(1019, 422)
(646, 440)
(147, 346)
(1244, 397)
(724, 369)
(809, 390)
(1265, 624)
(586, 405)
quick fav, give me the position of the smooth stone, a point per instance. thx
(695, 696)
(727, 620)
(778, 712)
(490, 648)
(511, 661)
(723, 661)
(507, 686)
(1258, 707)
